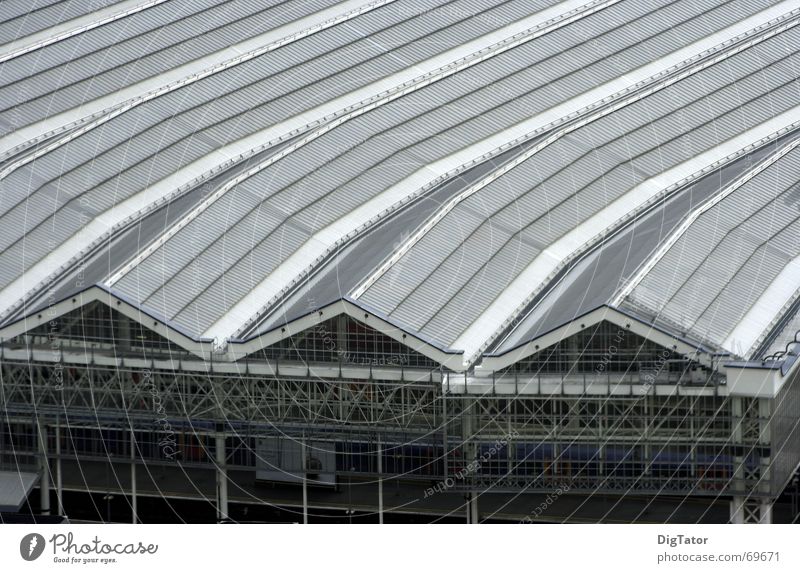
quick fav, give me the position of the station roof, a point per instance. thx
(474, 173)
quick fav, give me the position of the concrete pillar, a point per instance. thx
(222, 478)
(44, 472)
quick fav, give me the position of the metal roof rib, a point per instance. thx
(357, 112)
(668, 243)
(60, 19)
(738, 225)
(329, 169)
(453, 173)
(384, 296)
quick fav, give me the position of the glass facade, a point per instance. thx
(343, 339)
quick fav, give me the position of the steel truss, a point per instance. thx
(690, 445)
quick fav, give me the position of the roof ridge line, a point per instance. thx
(107, 114)
(114, 16)
(689, 219)
(396, 91)
(629, 217)
(591, 113)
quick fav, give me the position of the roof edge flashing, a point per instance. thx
(760, 378)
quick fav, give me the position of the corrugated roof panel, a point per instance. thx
(584, 178)
(720, 266)
(498, 271)
(108, 58)
(446, 280)
(217, 297)
(431, 295)
(24, 17)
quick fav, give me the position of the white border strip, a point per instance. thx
(193, 79)
(689, 220)
(424, 81)
(443, 211)
(79, 30)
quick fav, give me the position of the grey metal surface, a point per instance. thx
(442, 284)
(452, 275)
(20, 18)
(323, 181)
(127, 243)
(343, 272)
(105, 59)
(593, 280)
(76, 182)
(728, 257)
(265, 231)
(14, 489)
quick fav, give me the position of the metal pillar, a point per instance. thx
(737, 509)
(222, 478)
(44, 471)
(749, 510)
(469, 457)
(304, 467)
(59, 485)
(380, 482)
(472, 508)
(134, 506)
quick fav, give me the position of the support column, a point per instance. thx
(765, 511)
(472, 507)
(134, 506)
(222, 478)
(737, 509)
(469, 458)
(750, 510)
(59, 485)
(380, 482)
(304, 467)
(44, 472)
